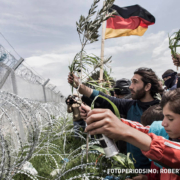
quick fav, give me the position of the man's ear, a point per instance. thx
(147, 87)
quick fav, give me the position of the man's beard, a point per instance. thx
(139, 94)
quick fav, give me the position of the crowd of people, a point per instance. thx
(149, 128)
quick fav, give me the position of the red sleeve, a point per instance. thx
(164, 151)
(136, 125)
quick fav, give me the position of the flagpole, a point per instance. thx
(102, 48)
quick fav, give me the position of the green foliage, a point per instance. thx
(94, 77)
(88, 28)
(121, 160)
(21, 177)
(87, 61)
(61, 144)
(104, 86)
(174, 42)
(88, 33)
(116, 111)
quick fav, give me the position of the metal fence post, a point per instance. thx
(14, 85)
(44, 90)
(18, 63)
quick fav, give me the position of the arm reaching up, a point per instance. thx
(176, 60)
(81, 87)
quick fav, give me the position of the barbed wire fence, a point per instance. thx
(25, 127)
(18, 79)
(29, 107)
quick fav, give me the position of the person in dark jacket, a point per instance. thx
(121, 89)
(170, 79)
(143, 89)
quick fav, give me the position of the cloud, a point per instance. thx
(48, 59)
(54, 67)
(161, 48)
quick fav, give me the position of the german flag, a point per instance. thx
(130, 20)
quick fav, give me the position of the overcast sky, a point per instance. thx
(44, 33)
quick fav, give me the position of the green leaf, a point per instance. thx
(120, 158)
(173, 42)
(129, 161)
(97, 148)
(116, 111)
(94, 36)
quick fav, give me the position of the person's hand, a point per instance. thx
(103, 121)
(84, 110)
(71, 78)
(176, 60)
(67, 101)
(139, 177)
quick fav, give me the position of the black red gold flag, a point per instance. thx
(130, 20)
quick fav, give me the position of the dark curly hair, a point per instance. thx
(173, 98)
(149, 76)
(153, 113)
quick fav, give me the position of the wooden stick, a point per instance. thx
(102, 49)
(87, 147)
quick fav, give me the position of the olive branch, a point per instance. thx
(88, 33)
(106, 85)
(174, 42)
